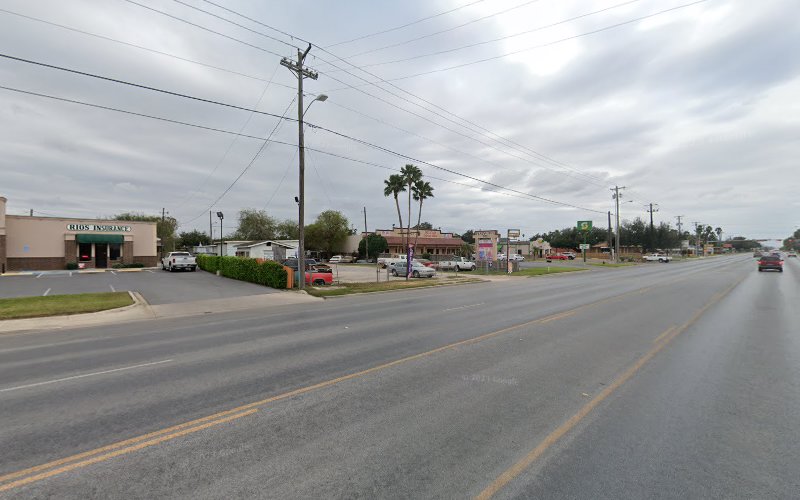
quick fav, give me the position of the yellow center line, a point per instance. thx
(526, 461)
(122, 451)
(193, 425)
(664, 334)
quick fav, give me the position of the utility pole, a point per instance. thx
(163, 218)
(300, 72)
(31, 212)
(609, 231)
(696, 237)
(617, 195)
(210, 229)
(651, 210)
(680, 231)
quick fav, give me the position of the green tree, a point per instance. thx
(372, 246)
(328, 232)
(468, 236)
(423, 226)
(255, 225)
(165, 227)
(287, 230)
(393, 186)
(422, 190)
(192, 238)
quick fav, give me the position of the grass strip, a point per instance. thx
(350, 288)
(533, 271)
(57, 305)
(610, 264)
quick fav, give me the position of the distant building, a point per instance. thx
(429, 241)
(276, 250)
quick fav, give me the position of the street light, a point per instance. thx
(320, 98)
(220, 215)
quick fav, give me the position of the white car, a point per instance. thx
(517, 257)
(417, 270)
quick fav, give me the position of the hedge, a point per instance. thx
(267, 273)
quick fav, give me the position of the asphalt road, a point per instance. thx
(672, 381)
(156, 286)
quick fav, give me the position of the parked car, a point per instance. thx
(323, 268)
(417, 270)
(318, 278)
(756, 254)
(657, 257)
(770, 262)
(791, 254)
(501, 256)
(570, 255)
(517, 257)
(457, 263)
(178, 260)
(341, 259)
(557, 256)
(293, 263)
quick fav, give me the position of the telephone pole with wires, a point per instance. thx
(301, 73)
(651, 211)
(616, 196)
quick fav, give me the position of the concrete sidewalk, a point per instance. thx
(141, 310)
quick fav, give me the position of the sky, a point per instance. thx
(521, 114)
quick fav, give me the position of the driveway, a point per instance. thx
(156, 286)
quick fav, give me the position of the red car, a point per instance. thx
(558, 256)
(318, 278)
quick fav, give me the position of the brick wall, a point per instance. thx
(127, 252)
(35, 263)
(149, 261)
(70, 251)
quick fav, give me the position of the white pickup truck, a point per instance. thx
(178, 260)
(457, 263)
(657, 257)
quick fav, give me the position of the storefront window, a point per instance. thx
(115, 250)
(84, 252)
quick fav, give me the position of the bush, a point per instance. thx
(267, 273)
(71, 266)
(127, 266)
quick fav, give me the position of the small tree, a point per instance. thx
(165, 227)
(255, 225)
(328, 233)
(287, 230)
(372, 246)
(192, 239)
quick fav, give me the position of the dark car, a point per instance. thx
(770, 262)
(292, 263)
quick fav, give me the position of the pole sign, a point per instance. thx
(584, 225)
(514, 233)
(585, 246)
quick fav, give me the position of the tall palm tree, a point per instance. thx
(410, 175)
(719, 233)
(393, 186)
(422, 190)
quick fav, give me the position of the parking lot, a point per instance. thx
(156, 286)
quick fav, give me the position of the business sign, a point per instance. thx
(486, 248)
(585, 246)
(102, 228)
(584, 225)
(514, 233)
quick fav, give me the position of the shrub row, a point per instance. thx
(267, 273)
(128, 266)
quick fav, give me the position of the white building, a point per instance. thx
(276, 250)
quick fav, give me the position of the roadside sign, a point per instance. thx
(514, 233)
(585, 246)
(584, 225)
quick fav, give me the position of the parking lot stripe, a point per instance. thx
(39, 275)
(26, 386)
(112, 288)
(46, 292)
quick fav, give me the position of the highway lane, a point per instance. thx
(231, 360)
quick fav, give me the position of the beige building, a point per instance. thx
(47, 243)
(429, 241)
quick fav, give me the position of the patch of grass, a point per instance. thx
(350, 288)
(56, 305)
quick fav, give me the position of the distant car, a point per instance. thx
(517, 257)
(501, 256)
(341, 259)
(657, 257)
(417, 270)
(557, 256)
(323, 268)
(293, 263)
(570, 255)
(770, 262)
(756, 254)
(791, 254)
(335, 259)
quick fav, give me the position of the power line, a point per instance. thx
(507, 54)
(423, 37)
(269, 140)
(540, 156)
(141, 86)
(499, 39)
(404, 25)
(140, 47)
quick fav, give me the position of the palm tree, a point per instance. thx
(393, 186)
(719, 233)
(422, 190)
(410, 175)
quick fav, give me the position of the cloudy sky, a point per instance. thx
(521, 114)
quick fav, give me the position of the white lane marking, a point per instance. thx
(46, 292)
(39, 275)
(149, 271)
(84, 375)
(112, 272)
(463, 307)
(112, 288)
(70, 274)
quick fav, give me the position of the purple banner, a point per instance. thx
(409, 260)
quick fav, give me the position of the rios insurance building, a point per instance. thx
(47, 243)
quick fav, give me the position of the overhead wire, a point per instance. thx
(402, 26)
(269, 140)
(540, 158)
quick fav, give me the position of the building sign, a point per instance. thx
(513, 233)
(98, 227)
(584, 225)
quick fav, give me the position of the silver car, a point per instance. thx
(417, 270)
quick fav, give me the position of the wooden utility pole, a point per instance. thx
(300, 72)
